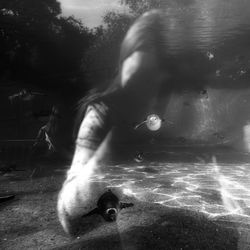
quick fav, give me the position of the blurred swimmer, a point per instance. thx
(132, 96)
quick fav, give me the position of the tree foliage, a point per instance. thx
(139, 7)
(103, 57)
(38, 45)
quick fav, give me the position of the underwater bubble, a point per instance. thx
(153, 122)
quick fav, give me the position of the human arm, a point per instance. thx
(79, 195)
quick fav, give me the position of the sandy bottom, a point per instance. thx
(178, 204)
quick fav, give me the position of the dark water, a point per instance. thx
(207, 24)
(208, 44)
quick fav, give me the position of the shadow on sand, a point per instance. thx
(155, 227)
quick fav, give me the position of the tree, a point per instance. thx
(24, 23)
(103, 57)
(139, 7)
(39, 46)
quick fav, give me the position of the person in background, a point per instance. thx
(46, 134)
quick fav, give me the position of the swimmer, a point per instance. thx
(136, 92)
(131, 97)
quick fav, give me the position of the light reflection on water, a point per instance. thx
(214, 190)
